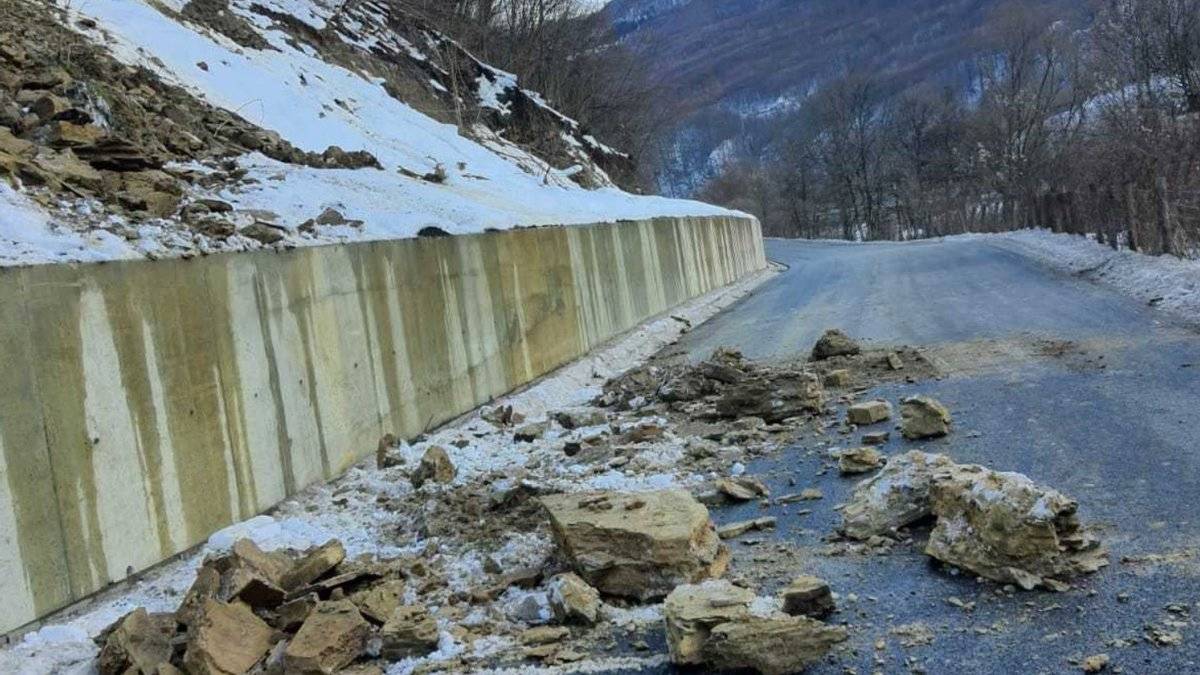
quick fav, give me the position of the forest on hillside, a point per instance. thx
(1086, 129)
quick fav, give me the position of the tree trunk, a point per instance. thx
(1165, 227)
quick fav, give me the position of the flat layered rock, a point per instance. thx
(573, 601)
(711, 625)
(226, 638)
(773, 396)
(638, 545)
(869, 412)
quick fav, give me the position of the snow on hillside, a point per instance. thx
(288, 88)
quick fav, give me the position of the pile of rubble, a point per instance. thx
(599, 554)
(249, 610)
(1001, 526)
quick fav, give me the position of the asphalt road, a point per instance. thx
(1107, 417)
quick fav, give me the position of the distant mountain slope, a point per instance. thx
(723, 61)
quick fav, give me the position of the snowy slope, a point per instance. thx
(312, 103)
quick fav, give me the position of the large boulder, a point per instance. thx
(638, 545)
(895, 497)
(834, 343)
(773, 396)
(1005, 527)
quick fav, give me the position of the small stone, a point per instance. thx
(385, 455)
(331, 217)
(743, 488)
(733, 530)
(1095, 663)
(876, 438)
(333, 636)
(410, 632)
(808, 596)
(894, 361)
(543, 635)
(859, 460)
(578, 419)
(531, 432)
(264, 232)
(869, 412)
(923, 417)
(435, 466)
(572, 600)
(834, 343)
(692, 611)
(811, 494)
(838, 379)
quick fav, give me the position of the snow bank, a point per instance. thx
(1165, 281)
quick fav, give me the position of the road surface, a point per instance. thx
(1076, 386)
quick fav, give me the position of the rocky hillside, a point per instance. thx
(134, 128)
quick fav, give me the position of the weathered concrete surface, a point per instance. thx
(145, 405)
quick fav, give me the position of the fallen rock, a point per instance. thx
(743, 488)
(876, 437)
(253, 576)
(578, 419)
(638, 545)
(531, 432)
(264, 232)
(772, 646)
(314, 565)
(64, 134)
(859, 460)
(897, 496)
(377, 603)
(572, 600)
(732, 530)
(834, 343)
(711, 625)
(773, 396)
(869, 412)
(411, 631)
(691, 611)
(139, 642)
(333, 635)
(435, 466)
(894, 361)
(1005, 527)
(807, 596)
(923, 417)
(544, 635)
(502, 416)
(839, 378)
(207, 586)
(225, 638)
(1095, 663)
(385, 455)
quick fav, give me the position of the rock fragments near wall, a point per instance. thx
(611, 552)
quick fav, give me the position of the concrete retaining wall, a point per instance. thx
(144, 405)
